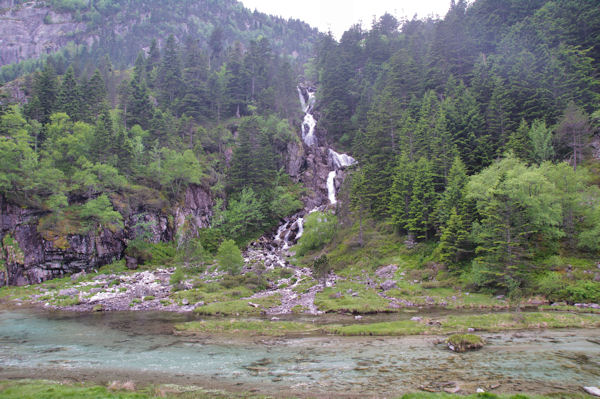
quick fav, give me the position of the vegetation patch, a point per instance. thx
(352, 297)
(464, 342)
(240, 306)
(257, 327)
(462, 323)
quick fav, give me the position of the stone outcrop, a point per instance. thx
(32, 257)
(28, 31)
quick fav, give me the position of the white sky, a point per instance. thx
(339, 15)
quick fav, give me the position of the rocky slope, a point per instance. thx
(30, 256)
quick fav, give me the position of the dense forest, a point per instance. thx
(112, 32)
(473, 135)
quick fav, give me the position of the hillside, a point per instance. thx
(82, 32)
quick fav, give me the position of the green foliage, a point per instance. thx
(321, 266)
(229, 257)
(319, 228)
(99, 212)
(541, 142)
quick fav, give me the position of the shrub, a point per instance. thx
(319, 228)
(177, 277)
(321, 266)
(229, 257)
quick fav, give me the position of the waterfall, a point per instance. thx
(331, 187)
(300, 222)
(340, 161)
(308, 130)
(309, 123)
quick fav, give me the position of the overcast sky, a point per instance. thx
(339, 15)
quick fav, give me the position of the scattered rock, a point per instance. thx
(355, 294)
(358, 317)
(185, 302)
(388, 285)
(68, 292)
(386, 272)
(416, 318)
(479, 390)
(470, 329)
(77, 275)
(454, 389)
(336, 295)
(274, 318)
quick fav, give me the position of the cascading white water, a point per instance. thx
(340, 161)
(300, 222)
(308, 130)
(331, 187)
(309, 123)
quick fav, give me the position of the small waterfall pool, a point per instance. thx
(134, 345)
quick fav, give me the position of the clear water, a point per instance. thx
(138, 343)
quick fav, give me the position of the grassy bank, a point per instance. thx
(443, 325)
(42, 389)
(244, 327)
(462, 323)
(36, 389)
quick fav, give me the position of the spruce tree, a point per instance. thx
(69, 96)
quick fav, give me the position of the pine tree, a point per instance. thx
(422, 201)
(69, 96)
(94, 98)
(169, 74)
(519, 142)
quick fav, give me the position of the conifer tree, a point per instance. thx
(69, 96)
(519, 142)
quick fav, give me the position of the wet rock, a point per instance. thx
(464, 342)
(595, 391)
(388, 285)
(68, 292)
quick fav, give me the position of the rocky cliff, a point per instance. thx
(29, 256)
(30, 30)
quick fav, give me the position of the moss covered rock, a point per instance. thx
(464, 342)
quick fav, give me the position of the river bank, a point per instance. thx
(141, 347)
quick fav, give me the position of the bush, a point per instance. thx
(319, 228)
(177, 277)
(321, 266)
(554, 287)
(230, 258)
(583, 292)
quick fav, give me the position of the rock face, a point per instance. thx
(31, 257)
(28, 31)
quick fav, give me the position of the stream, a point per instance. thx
(142, 347)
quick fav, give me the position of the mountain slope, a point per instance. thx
(86, 31)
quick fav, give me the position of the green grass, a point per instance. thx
(568, 308)
(38, 389)
(461, 323)
(239, 306)
(403, 327)
(237, 327)
(367, 301)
